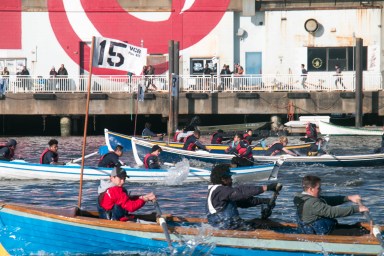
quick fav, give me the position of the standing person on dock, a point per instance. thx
(223, 200)
(114, 201)
(50, 155)
(192, 142)
(151, 160)
(339, 77)
(8, 151)
(317, 214)
(111, 159)
(242, 151)
(279, 147)
(304, 74)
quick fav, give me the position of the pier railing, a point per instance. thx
(325, 81)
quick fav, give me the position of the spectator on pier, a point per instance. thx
(5, 76)
(148, 133)
(150, 73)
(52, 79)
(62, 75)
(192, 142)
(50, 155)
(317, 214)
(339, 77)
(8, 150)
(223, 200)
(207, 70)
(279, 147)
(114, 202)
(111, 159)
(304, 74)
(151, 160)
(242, 151)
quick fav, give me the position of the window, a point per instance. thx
(325, 59)
(13, 65)
(197, 65)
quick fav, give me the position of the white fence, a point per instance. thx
(247, 83)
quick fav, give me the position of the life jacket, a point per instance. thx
(322, 226)
(217, 140)
(45, 152)
(273, 153)
(175, 136)
(226, 218)
(145, 160)
(102, 157)
(241, 150)
(190, 143)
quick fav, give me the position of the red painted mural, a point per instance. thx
(10, 29)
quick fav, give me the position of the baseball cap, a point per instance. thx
(119, 172)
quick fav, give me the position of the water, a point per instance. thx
(189, 199)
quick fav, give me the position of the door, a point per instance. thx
(253, 64)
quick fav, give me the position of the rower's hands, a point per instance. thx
(363, 208)
(355, 198)
(148, 197)
(276, 187)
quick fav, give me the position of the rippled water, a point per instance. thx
(189, 199)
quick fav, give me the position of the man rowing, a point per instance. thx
(279, 147)
(242, 151)
(111, 159)
(223, 200)
(50, 155)
(151, 160)
(114, 201)
(317, 214)
(192, 142)
(8, 151)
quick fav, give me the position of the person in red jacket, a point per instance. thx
(114, 203)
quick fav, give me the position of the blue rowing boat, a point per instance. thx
(32, 230)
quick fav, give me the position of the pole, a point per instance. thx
(359, 83)
(137, 105)
(176, 88)
(170, 72)
(86, 124)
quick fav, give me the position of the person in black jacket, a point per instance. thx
(111, 159)
(7, 152)
(223, 200)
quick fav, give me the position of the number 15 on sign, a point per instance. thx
(115, 54)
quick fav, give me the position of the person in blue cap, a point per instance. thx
(223, 200)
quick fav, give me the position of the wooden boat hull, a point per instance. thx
(332, 129)
(172, 154)
(29, 231)
(114, 139)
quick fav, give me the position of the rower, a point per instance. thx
(223, 200)
(316, 148)
(317, 214)
(50, 155)
(8, 151)
(151, 160)
(192, 142)
(111, 159)
(242, 151)
(279, 147)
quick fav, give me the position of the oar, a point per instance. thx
(267, 211)
(163, 224)
(375, 229)
(276, 168)
(85, 157)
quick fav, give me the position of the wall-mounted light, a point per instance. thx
(311, 25)
(333, 29)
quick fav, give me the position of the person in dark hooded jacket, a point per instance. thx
(223, 200)
(7, 152)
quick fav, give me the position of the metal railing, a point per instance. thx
(325, 81)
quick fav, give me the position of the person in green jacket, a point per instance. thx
(317, 214)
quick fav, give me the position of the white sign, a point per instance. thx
(115, 54)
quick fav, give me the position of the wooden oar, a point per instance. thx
(163, 224)
(375, 229)
(267, 211)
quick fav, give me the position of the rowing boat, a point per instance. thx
(174, 155)
(36, 230)
(114, 139)
(332, 129)
(181, 173)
